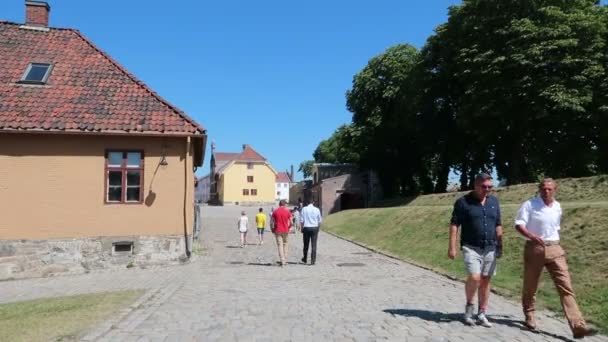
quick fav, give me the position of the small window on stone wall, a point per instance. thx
(122, 247)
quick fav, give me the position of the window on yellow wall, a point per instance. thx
(254, 192)
(250, 165)
(124, 176)
(245, 192)
(249, 179)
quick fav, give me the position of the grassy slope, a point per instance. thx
(59, 319)
(418, 232)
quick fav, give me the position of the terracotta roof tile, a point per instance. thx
(282, 177)
(225, 156)
(87, 91)
(249, 154)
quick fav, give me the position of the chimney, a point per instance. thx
(37, 13)
(291, 174)
(245, 146)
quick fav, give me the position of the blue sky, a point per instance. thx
(271, 74)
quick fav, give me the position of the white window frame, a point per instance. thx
(29, 68)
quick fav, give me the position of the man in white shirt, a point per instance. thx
(311, 222)
(538, 220)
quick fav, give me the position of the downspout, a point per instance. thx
(186, 185)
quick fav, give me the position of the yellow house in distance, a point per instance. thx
(244, 178)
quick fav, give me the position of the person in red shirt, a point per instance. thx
(282, 223)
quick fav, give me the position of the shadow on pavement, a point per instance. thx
(271, 264)
(441, 317)
(433, 316)
(519, 324)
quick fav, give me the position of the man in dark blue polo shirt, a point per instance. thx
(478, 215)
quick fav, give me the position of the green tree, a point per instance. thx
(382, 116)
(338, 148)
(306, 168)
(526, 72)
(601, 107)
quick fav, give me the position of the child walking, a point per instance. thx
(243, 224)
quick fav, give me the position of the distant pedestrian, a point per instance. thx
(271, 223)
(282, 222)
(310, 220)
(538, 220)
(243, 224)
(260, 221)
(478, 215)
(296, 219)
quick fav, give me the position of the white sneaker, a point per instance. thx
(483, 320)
(468, 315)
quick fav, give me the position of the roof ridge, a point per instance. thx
(6, 22)
(252, 149)
(138, 81)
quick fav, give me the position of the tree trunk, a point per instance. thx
(441, 183)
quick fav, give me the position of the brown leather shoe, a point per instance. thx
(530, 322)
(581, 332)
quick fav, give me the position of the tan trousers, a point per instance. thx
(282, 245)
(554, 259)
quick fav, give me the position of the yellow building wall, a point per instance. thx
(220, 189)
(234, 180)
(53, 186)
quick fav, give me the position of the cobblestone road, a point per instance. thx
(239, 294)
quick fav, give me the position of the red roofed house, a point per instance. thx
(241, 178)
(96, 169)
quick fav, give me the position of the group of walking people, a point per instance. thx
(306, 220)
(481, 234)
(478, 217)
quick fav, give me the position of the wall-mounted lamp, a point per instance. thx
(163, 161)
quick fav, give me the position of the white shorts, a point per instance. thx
(243, 230)
(479, 261)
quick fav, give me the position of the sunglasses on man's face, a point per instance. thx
(487, 187)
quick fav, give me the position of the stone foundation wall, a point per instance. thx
(42, 258)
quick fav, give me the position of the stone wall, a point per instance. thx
(43, 258)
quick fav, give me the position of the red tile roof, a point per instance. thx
(223, 159)
(282, 177)
(225, 156)
(87, 90)
(249, 154)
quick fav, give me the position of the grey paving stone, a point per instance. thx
(232, 294)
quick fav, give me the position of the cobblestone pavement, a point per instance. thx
(240, 294)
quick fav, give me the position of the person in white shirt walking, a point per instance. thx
(538, 220)
(243, 225)
(310, 220)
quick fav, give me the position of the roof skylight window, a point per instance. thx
(37, 73)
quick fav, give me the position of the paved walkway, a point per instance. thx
(234, 294)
